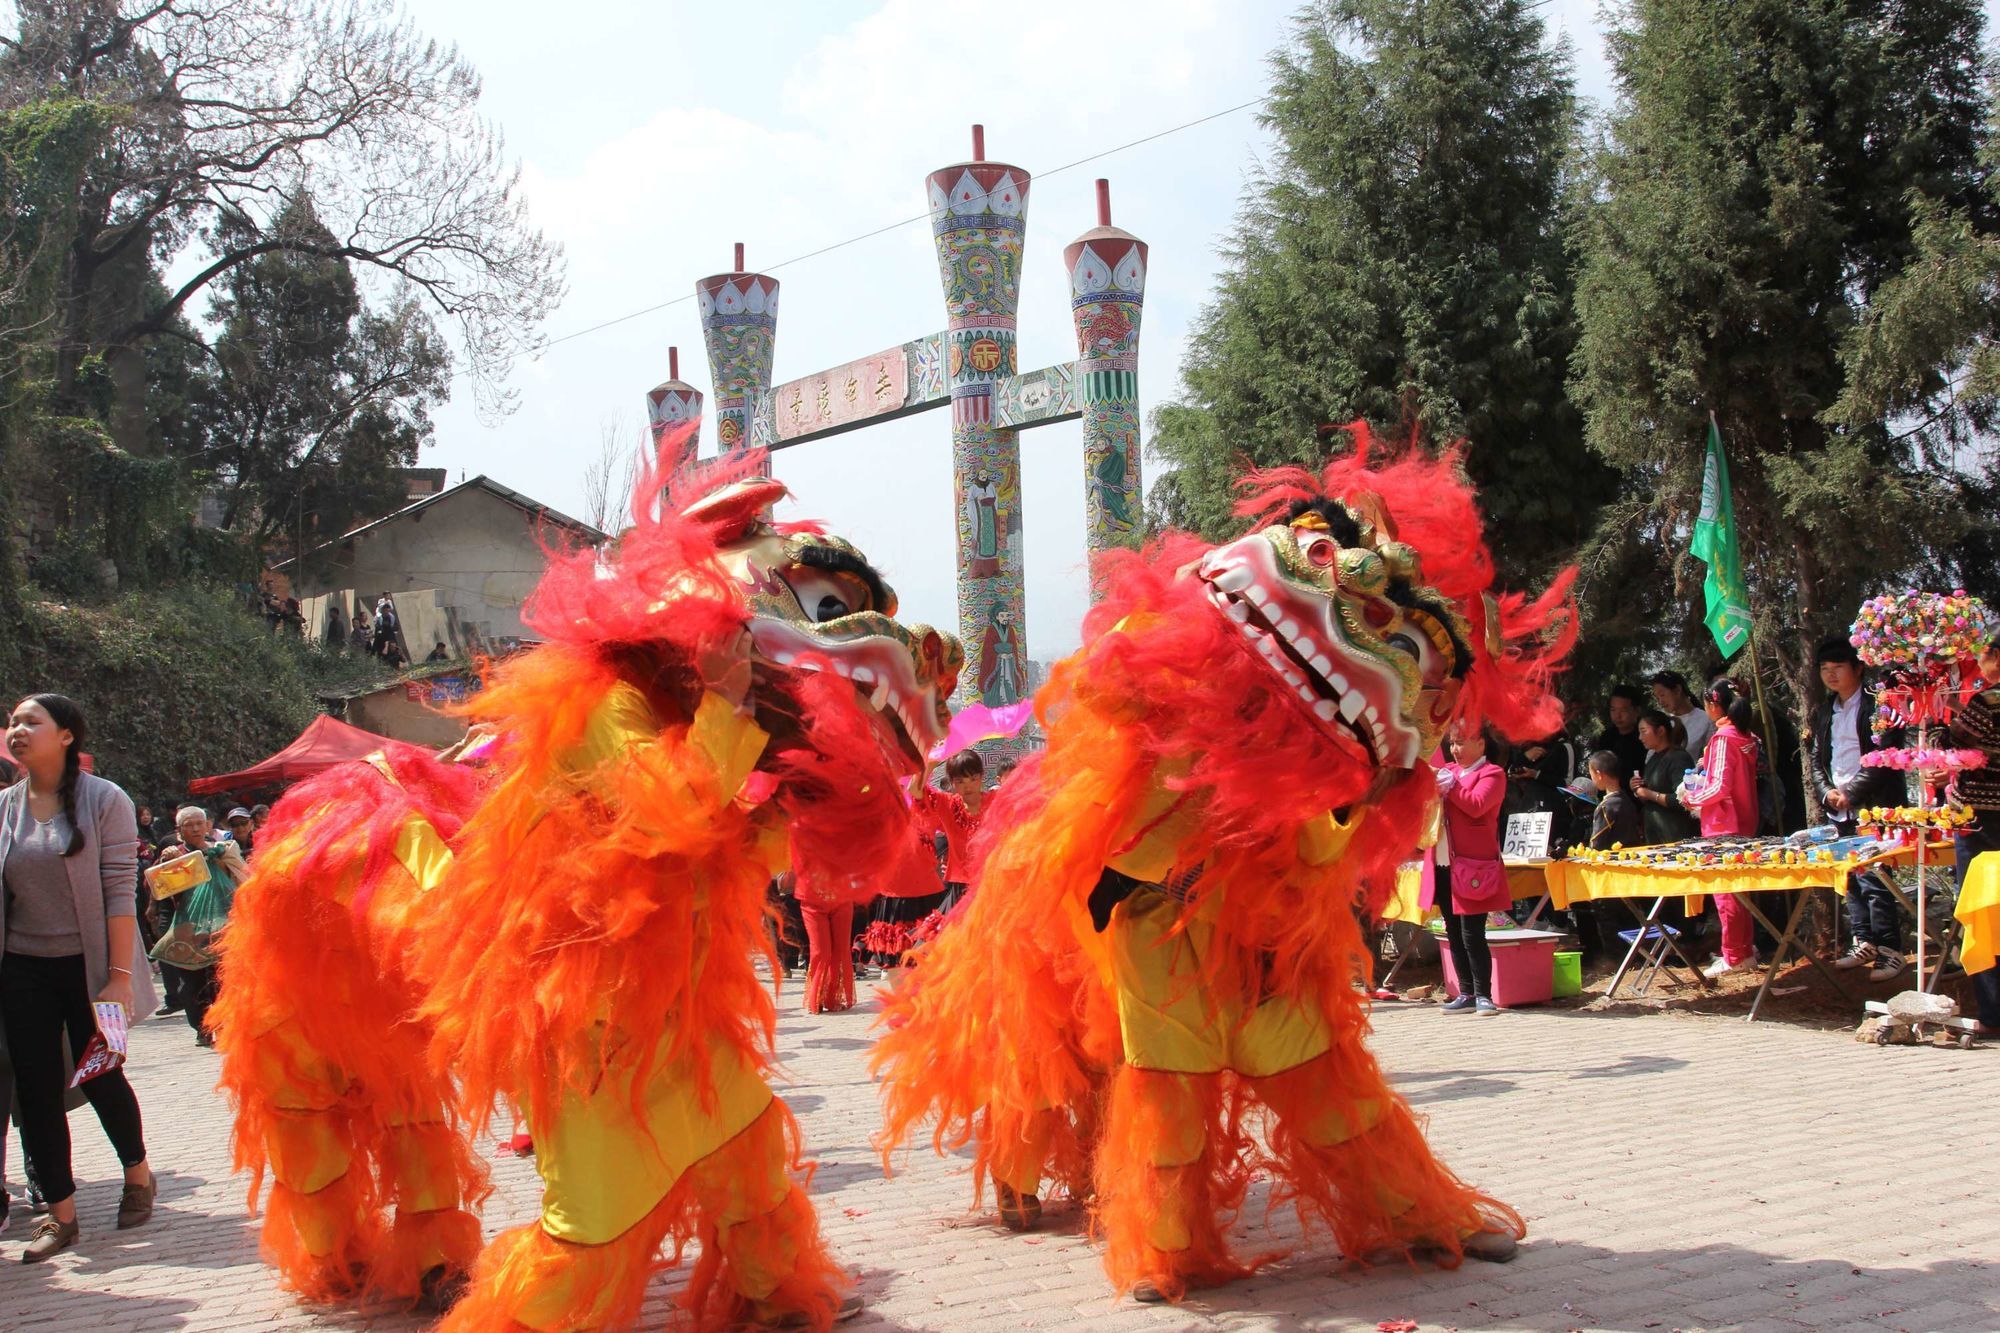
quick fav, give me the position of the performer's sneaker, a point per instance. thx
(1495, 1247)
(1861, 955)
(1146, 1293)
(1019, 1212)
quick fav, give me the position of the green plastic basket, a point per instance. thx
(1568, 976)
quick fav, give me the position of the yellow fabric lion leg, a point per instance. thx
(762, 1256)
(335, 1171)
(428, 1170)
(1161, 1193)
(323, 1222)
(1347, 1148)
(1018, 1155)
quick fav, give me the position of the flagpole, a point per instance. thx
(1756, 653)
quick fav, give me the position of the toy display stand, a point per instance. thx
(1926, 645)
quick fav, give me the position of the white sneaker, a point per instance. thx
(1861, 955)
(1721, 967)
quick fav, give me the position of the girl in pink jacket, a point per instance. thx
(1466, 879)
(1723, 791)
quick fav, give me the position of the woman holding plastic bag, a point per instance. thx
(196, 881)
(68, 936)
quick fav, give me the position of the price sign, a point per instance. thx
(1527, 836)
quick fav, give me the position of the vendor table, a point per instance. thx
(1979, 913)
(1524, 878)
(1580, 881)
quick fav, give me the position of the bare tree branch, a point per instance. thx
(235, 105)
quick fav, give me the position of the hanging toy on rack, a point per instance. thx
(1927, 646)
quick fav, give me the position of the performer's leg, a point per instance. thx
(1348, 1149)
(1162, 1195)
(324, 1227)
(526, 1279)
(323, 1221)
(628, 1170)
(762, 1256)
(1017, 1171)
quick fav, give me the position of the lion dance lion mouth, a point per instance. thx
(1339, 612)
(816, 604)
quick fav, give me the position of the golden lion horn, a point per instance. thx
(1492, 608)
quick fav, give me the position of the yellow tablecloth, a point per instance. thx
(1979, 912)
(1578, 881)
(1524, 878)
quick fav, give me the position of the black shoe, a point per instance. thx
(441, 1288)
(166, 1009)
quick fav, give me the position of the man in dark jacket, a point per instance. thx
(1843, 731)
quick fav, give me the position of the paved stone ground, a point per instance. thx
(1677, 1173)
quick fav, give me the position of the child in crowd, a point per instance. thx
(954, 813)
(1617, 819)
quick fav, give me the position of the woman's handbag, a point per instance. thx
(1479, 885)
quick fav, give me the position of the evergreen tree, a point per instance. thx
(1752, 207)
(314, 400)
(1401, 261)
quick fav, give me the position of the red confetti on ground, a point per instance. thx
(1397, 1326)
(855, 1212)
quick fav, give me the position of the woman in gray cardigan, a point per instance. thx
(68, 932)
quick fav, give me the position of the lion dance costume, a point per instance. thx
(573, 933)
(1152, 993)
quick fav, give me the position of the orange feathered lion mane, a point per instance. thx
(1164, 697)
(1432, 506)
(1168, 670)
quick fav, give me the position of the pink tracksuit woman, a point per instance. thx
(1724, 793)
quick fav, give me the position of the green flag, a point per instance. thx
(1728, 598)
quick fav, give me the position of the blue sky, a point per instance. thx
(652, 136)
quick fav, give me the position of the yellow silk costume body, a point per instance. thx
(1155, 990)
(574, 934)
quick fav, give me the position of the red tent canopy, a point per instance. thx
(326, 741)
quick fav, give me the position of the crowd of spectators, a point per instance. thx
(378, 634)
(1686, 763)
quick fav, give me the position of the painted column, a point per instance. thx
(739, 322)
(674, 403)
(979, 214)
(1107, 285)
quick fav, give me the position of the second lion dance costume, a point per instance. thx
(1152, 993)
(574, 933)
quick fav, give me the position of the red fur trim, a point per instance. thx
(1431, 506)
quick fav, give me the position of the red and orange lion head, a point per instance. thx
(1320, 659)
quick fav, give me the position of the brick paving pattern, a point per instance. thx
(1676, 1172)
